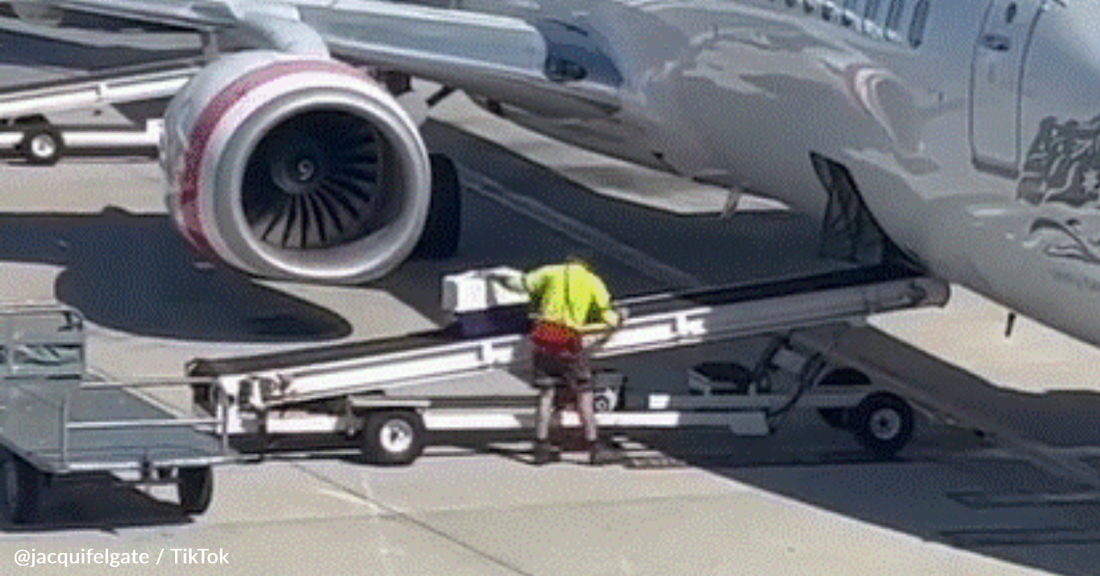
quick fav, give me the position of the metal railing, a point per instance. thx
(638, 334)
(218, 422)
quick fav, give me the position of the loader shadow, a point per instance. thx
(132, 273)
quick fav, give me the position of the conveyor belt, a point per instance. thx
(203, 367)
(638, 307)
(725, 295)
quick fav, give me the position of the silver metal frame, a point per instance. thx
(71, 382)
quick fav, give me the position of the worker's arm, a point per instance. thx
(610, 318)
(597, 334)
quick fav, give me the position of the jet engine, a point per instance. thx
(296, 168)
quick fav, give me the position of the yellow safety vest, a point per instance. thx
(570, 295)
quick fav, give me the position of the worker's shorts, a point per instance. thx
(571, 367)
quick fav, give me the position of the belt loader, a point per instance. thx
(471, 376)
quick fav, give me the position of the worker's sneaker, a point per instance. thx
(545, 453)
(600, 454)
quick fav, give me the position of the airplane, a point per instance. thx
(961, 137)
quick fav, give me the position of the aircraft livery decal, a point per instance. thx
(1062, 169)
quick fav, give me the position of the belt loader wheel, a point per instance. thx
(22, 485)
(42, 146)
(882, 423)
(393, 438)
(196, 489)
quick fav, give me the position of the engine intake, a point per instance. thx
(296, 168)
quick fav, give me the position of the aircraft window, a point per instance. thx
(828, 9)
(916, 27)
(871, 26)
(808, 6)
(791, 3)
(870, 12)
(848, 15)
(893, 17)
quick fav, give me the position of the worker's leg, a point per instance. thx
(545, 414)
(545, 367)
(581, 377)
(587, 412)
(548, 373)
(580, 381)
(598, 452)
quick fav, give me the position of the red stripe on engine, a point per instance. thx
(208, 121)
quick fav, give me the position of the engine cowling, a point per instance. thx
(295, 167)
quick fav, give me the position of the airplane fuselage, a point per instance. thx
(969, 129)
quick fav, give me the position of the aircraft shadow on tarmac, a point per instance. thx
(133, 273)
(58, 53)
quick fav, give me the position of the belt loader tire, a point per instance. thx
(42, 146)
(882, 423)
(393, 438)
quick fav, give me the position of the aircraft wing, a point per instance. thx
(544, 66)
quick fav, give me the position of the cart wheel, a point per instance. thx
(443, 227)
(196, 489)
(604, 401)
(882, 423)
(42, 146)
(393, 438)
(22, 485)
(837, 418)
